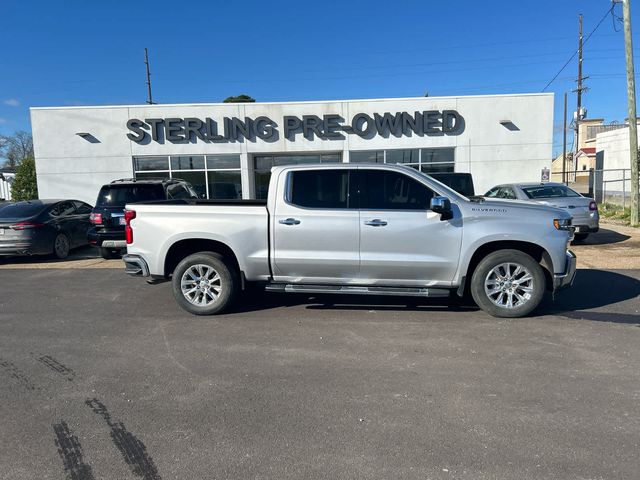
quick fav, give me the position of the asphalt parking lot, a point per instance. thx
(103, 376)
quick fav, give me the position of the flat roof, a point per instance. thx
(372, 100)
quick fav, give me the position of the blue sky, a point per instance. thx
(91, 53)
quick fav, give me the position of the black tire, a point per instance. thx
(109, 253)
(491, 304)
(580, 237)
(228, 283)
(61, 246)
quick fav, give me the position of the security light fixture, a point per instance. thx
(509, 125)
(88, 137)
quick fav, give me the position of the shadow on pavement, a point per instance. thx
(595, 289)
(257, 299)
(603, 237)
(591, 289)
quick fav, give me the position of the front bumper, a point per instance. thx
(135, 265)
(565, 279)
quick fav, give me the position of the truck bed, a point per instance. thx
(242, 225)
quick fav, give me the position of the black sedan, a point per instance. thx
(43, 227)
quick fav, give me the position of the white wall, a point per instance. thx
(5, 185)
(613, 146)
(67, 165)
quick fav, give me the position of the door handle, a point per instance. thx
(290, 221)
(376, 223)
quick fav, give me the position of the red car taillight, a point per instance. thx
(26, 225)
(128, 231)
(593, 206)
(96, 218)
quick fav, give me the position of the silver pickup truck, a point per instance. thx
(355, 229)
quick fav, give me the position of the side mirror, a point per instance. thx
(442, 205)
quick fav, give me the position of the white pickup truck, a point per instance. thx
(357, 229)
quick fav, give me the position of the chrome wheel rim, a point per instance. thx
(61, 245)
(509, 285)
(201, 285)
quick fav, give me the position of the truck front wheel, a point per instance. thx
(508, 283)
(204, 283)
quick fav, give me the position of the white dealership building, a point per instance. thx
(226, 150)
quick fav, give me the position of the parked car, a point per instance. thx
(42, 227)
(107, 218)
(460, 182)
(358, 229)
(583, 210)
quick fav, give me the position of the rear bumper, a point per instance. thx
(24, 247)
(135, 265)
(106, 239)
(565, 279)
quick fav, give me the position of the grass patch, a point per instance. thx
(615, 212)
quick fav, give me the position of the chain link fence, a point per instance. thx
(604, 185)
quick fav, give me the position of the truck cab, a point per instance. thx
(368, 229)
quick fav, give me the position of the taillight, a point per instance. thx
(26, 225)
(128, 231)
(96, 218)
(593, 206)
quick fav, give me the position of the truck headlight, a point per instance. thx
(562, 223)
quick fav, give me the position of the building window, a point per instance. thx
(437, 160)
(188, 163)
(213, 176)
(151, 163)
(371, 156)
(262, 165)
(427, 160)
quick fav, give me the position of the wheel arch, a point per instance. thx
(183, 248)
(538, 253)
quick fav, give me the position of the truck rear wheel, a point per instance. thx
(508, 283)
(204, 283)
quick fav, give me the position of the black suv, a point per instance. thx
(107, 217)
(460, 182)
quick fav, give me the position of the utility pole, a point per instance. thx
(564, 142)
(146, 62)
(579, 92)
(633, 124)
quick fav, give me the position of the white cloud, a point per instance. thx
(12, 102)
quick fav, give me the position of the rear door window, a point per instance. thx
(83, 208)
(120, 195)
(63, 209)
(320, 189)
(382, 190)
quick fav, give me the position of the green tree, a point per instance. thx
(24, 186)
(239, 99)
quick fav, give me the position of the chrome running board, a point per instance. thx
(358, 290)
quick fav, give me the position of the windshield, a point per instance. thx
(120, 195)
(21, 209)
(549, 191)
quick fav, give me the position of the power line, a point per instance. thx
(610, 10)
